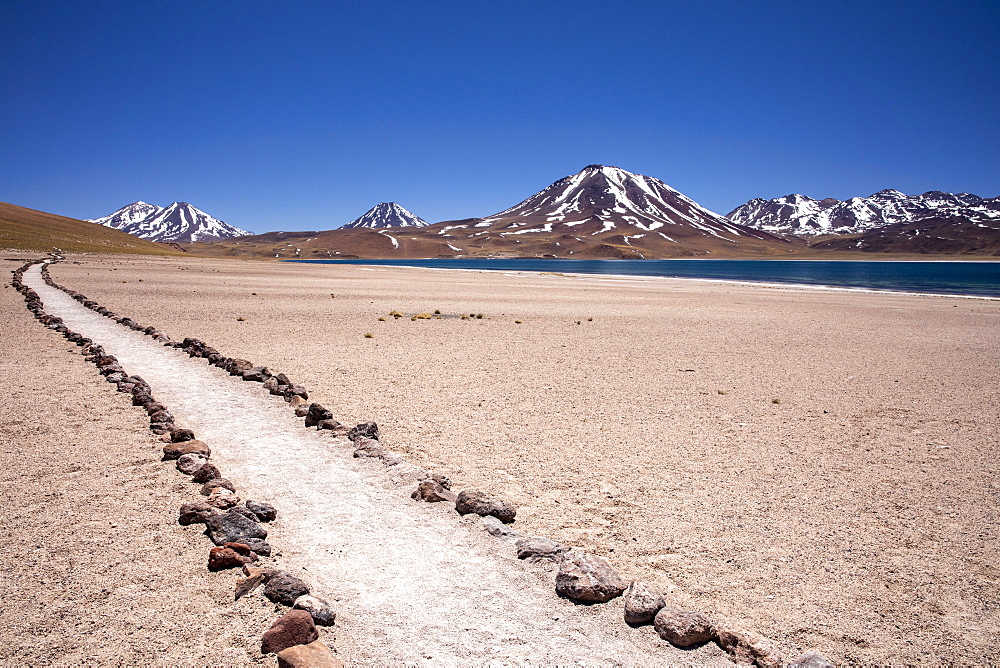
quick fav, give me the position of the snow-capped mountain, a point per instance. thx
(801, 215)
(128, 214)
(601, 199)
(179, 222)
(387, 214)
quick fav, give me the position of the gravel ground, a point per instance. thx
(818, 467)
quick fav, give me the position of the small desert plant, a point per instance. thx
(421, 316)
(240, 319)
(381, 319)
(776, 400)
(369, 335)
(517, 322)
(479, 316)
(395, 314)
(465, 317)
(437, 311)
(590, 320)
(721, 391)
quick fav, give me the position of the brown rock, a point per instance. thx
(683, 628)
(367, 447)
(175, 450)
(238, 367)
(311, 655)
(474, 501)
(222, 498)
(220, 558)
(586, 577)
(811, 660)
(642, 602)
(190, 463)
(432, 492)
(301, 410)
(366, 430)
(316, 414)
(247, 585)
(253, 571)
(205, 473)
(297, 401)
(195, 513)
(295, 627)
(181, 435)
(241, 549)
(214, 484)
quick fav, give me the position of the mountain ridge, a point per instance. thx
(180, 222)
(386, 214)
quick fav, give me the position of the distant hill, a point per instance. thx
(179, 222)
(949, 235)
(27, 229)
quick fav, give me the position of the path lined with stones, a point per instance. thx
(411, 583)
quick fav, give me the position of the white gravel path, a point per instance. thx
(414, 584)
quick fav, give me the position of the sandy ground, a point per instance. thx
(411, 583)
(818, 467)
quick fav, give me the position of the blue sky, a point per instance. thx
(303, 115)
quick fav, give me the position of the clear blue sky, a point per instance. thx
(302, 115)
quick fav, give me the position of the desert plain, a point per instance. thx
(815, 466)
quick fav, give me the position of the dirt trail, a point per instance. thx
(413, 583)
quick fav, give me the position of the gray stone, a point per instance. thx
(316, 413)
(245, 512)
(301, 410)
(238, 367)
(271, 385)
(366, 430)
(321, 611)
(589, 578)
(642, 602)
(265, 512)
(285, 588)
(441, 479)
(367, 447)
(683, 628)
(811, 660)
(328, 424)
(261, 547)
(233, 528)
(474, 501)
(497, 528)
(535, 548)
(188, 464)
(257, 374)
(748, 648)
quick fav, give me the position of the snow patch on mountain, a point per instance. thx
(387, 214)
(802, 215)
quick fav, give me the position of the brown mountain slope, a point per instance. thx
(27, 229)
(930, 236)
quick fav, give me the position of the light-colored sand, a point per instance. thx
(857, 516)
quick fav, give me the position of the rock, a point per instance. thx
(233, 528)
(474, 501)
(367, 447)
(253, 571)
(319, 609)
(195, 513)
(181, 435)
(310, 655)
(301, 410)
(162, 416)
(293, 391)
(257, 374)
(195, 447)
(223, 498)
(261, 547)
(295, 627)
(328, 424)
(441, 479)
(160, 427)
(297, 401)
(536, 548)
(497, 528)
(214, 484)
(153, 408)
(682, 628)
(586, 577)
(811, 660)
(282, 379)
(242, 549)
(221, 558)
(238, 367)
(115, 377)
(190, 463)
(285, 588)
(432, 492)
(316, 413)
(642, 602)
(748, 648)
(265, 512)
(365, 429)
(245, 512)
(272, 385)
(205, 473)
(247, 585)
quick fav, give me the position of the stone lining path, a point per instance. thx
(412, 582)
